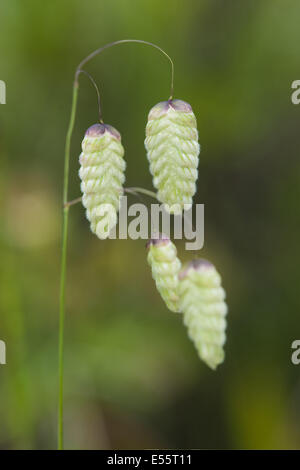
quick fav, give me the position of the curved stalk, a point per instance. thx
(147, 192)
(139, 41)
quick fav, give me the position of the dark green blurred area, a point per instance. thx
(132, 377)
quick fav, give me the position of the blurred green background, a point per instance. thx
(132, 377)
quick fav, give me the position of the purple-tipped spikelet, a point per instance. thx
(202, 301)
(102, 177)
(162, 257)
(173, 150)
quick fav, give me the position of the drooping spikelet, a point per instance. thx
(162, 257)
(204, 309)
(102, 177)
(172, 150)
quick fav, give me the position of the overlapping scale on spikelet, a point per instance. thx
(173, 150)
(162, 257)
(202, 301)
(102, 177)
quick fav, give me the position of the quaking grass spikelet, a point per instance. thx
(202, 301)
(102, 177)
(162, 257)
(172, 150)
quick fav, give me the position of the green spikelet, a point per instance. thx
(204, 309)
(173, 150)
(162, 257)
(102, 177)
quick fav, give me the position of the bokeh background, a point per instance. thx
(132, 377)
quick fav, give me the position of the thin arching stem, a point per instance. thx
(134, 191)
(73, 202)
(147, 192)
(97, 91)
(122, 41)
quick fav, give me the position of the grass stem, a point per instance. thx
(60, 443)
